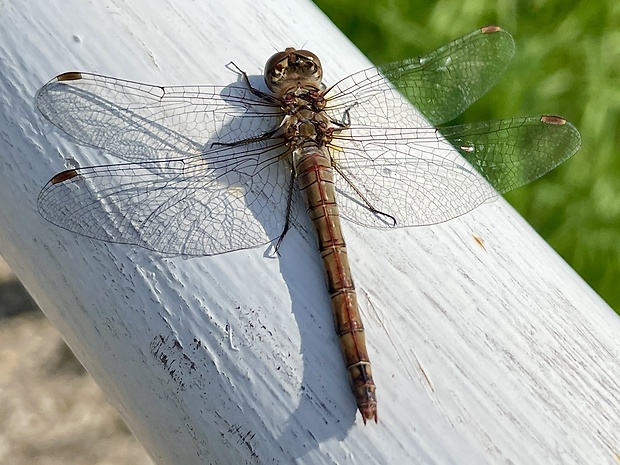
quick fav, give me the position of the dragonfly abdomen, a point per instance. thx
(315, 178)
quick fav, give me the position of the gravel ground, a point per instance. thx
(51, 411)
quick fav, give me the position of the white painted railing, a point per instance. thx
(487, 347)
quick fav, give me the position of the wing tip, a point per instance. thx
(553, 119)
(490, 29)
(69, 76)
(63, 176)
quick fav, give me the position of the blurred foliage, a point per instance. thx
(567, 63)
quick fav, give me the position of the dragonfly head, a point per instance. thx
(290, 67)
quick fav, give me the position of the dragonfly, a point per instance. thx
(208, 170)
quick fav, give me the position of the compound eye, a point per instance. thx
(292, 62)
(275, 67)
(318, 68)
(274, 61)
(310, 56)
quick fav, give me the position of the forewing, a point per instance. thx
(222, 200)
(440, 84)
(139, 122)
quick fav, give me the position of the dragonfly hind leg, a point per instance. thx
(287, 222)
(371, 208)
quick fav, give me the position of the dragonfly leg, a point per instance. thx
(346, 116)
(289, 203)
(345, 123)
(259, 93)
(265, 136)
(369, 205)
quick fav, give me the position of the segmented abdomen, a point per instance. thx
(315, 178)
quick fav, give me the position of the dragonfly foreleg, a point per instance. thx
(259, 93)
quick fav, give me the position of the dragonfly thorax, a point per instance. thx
(293, 68)
(307, 127)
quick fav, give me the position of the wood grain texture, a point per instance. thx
(480, 354)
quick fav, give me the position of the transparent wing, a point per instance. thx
(418, 179)
(183, 194)
(514, 152)
(440, 84)
(393, 161)
(222, 200)
(139, 122)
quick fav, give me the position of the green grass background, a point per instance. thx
(567, 63)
